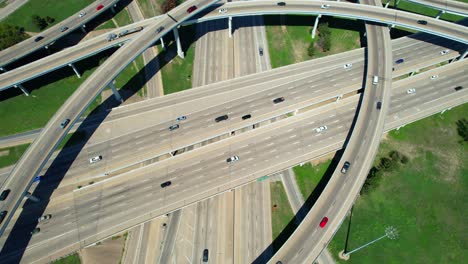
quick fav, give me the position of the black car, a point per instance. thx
(278, 100)
(2, 216)
(221, 118)
(63, 29)
(165, 184)
(205, 255)
(4, 195)
(422, 22)
(260, 51)
(246, 117)
(345, 167)
(379, 105)
(39, 38)
(458, 88)
(159, 30)
(174, 127)
(35, 231)
(64, 123)
(281, 3)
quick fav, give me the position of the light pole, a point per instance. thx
(390, 232)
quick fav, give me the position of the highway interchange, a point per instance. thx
(264, 113)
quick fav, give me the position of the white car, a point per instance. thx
(434, 77)
(181, 118)
(411, 91)
(444, 52)
(321, 128)
(232, 159)
(95, 159)
(82, 14)
(44, 217)
(325, 6)
(222, 10)
(348, 65)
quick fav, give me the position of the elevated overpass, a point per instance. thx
(102, 209)
(33, 161)
(52, 34)
(446, 6)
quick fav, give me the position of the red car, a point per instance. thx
(191, 9)
(324, 222)
(99, 7)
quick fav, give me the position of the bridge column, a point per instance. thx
(441, 12)
(83, 28)
(463, 55)
(75, 70)
(315, 25)
(3, 69)
(179, 46)
(162, 43)
(25, 91)
(411, 73)
(397, 3)
(388, 3)
(230, 26)
(32, 197)
(113, 9)
(116, 93)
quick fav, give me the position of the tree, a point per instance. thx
(49, 20)
(395, 155)
(39, 22)
(386, 163)
(168, 5)
(10, 35)
(325, 36)
(462, 128)
(311, 49)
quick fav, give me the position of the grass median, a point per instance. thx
(71, 259)
(281, 212)
(59, 10)
(308, 176)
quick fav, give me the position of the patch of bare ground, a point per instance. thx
(4, 153)
(108, 252)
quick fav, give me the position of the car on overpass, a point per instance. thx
(324, 222)
(345, 167)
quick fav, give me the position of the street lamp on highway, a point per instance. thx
(390, 232)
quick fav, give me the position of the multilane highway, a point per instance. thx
(34, 159)
(102, 209)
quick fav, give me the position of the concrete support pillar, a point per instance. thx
(116, 93)
(412, 73)
(83, 28)
(388, 3)
(463, 54)
(112, 9)
(25, 91)
(180, 53)
(162, 43)
(230, 26)
(398, 128)
(2, 69)
(295, 112)
(397, 3)
(75, 70)
(441, 12)
(315, 25)
(32, 197)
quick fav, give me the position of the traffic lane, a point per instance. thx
(346, 129)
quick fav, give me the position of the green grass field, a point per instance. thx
(10, 156)
(308, 176)
(72, 259)
(282, 214)
(132, 77)
(106, 25)
(289, 37)
(59, 10)
(123, 18)
(424, 199)
(423, 10)
(22, 113)
(148, 8)
(3, 3)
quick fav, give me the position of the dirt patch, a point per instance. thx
(4, 153)
(298, 49)
(322, 159)
(108, 252)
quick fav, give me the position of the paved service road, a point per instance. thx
(135, 197)
(52, 34)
